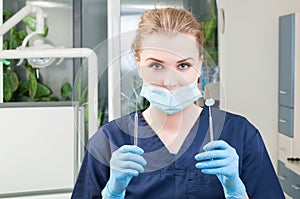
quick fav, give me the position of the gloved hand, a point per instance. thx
(125, 163)
(222, 160)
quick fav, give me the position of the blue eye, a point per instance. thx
(183, 66)
(156, 66)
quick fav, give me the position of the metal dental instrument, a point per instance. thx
(136, 124)
(210, 102)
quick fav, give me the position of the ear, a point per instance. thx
(199, 83)
(201, 60)
(137, 61)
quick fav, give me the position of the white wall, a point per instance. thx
(249, 62)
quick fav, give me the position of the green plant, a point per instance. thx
(82, 97)
(14, 88)
(66, 91)
(209, 27)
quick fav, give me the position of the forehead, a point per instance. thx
(179, 45)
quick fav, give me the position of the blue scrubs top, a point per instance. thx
(174, 176)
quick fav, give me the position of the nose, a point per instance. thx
(170, 80)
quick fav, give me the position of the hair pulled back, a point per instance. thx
(167, 20)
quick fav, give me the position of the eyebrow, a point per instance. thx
(160, 61)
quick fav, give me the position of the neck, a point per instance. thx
(160, 120)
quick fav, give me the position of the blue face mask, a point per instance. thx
(171, 101)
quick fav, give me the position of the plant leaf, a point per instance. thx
(42, 91)
(210, 28)
(13, 77)
(79, 84)
(32, 85)
(102, 114)
(22, 34)
(86, 113)
(30, 22)
(5, 45)
(14, 38)
(7, 88)
(47, 99)
(45, 31)
(66, 91)
(84, 97)
(23, 87)
(6, 15)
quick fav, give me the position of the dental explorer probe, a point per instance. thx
(210, 102)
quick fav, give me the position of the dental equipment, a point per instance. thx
(210, 102)
(39, 44)
(15, 19)
(136, 124)
(37, 62)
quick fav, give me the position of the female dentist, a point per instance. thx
(173, 158)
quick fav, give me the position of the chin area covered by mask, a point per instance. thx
(171, 101)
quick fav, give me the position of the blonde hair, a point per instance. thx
(167, 20)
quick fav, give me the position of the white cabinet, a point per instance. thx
(38, 150)
(52, 196)
(289, 104)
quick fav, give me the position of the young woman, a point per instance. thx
(174, 157)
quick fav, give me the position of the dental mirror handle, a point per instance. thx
(211, 131)
(210, 102)
(135, 141)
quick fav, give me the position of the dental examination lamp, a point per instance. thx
(41, 55)
(38, 43)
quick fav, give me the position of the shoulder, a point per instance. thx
(116, 131)
(108, 138)
(122, 124)
(242, 135)
(233, 119)
(236, 127)
(241, 122)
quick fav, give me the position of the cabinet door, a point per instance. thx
(36, 150)
(286, 59)
(284, 176)
(286, 121)
(295, 185)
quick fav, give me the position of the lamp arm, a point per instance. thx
(39, 15)
(16, 18)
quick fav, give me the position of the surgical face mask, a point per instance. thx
(171, 101)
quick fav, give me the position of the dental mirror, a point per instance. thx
(209, 102)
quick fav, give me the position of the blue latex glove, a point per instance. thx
(125, 163)
(222, 160)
